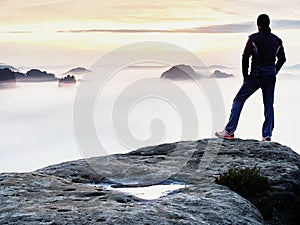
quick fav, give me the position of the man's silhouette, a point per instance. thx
(263, 47)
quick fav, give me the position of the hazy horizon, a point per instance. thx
(37, 126)
(78, 33)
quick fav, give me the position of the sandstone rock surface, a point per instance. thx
(62, 194)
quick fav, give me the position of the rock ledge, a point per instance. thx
(60, 194)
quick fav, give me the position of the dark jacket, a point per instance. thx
(264, 47)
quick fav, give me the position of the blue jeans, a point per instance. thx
(252, 84)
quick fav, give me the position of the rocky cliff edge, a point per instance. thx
(63, 194)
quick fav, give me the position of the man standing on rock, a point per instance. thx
(264, 47)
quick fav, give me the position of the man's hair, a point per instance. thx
(263, 20)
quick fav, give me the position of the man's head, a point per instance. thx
(263, 21)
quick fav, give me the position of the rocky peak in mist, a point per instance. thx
(219, 74)
(12, 68)
(33, 75)
(39, 76)
(186, 72)
(180, 72)
(67, 81)
(7, 78)
(77, 71)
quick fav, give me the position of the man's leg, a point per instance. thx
(268, 87)
(248, 88)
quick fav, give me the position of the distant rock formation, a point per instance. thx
(67, 81)
(21, 77)
(36, 75)
(181, 72)
(7, 78)
(63, 193)
(219, 74)
(3, 66)
(33, 75)
(186, 72)
(77, 71)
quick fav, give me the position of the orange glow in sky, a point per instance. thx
(65, 31)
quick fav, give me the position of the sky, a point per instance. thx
(65, 32)
(69, 33)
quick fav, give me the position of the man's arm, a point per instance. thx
(280, 58)
(245, 58)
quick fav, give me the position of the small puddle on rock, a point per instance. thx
(149, 192)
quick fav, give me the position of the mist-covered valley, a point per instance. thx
(133, 109)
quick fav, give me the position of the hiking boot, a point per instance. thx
(266, 139)
(225, 135)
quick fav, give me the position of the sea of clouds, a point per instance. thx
(37, 124)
